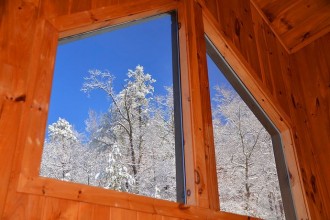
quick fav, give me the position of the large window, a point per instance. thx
(251, 170)
(114, 120)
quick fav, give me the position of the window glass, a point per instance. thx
(111, 120)
(246, 170)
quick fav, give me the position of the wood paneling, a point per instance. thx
(296, 23)
(60, 209)
(89, 211)
(235, 21)
(298, 83)
(310, 110)
(16, 31)
(269, 58)
(27, 60)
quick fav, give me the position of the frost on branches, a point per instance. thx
(59, 153)
(247, 175)
(129, 148)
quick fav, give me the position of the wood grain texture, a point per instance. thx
(42, 44)
(17, 24)
(80, 5)
(50, 9)
(24, 206)
(197, 184)
(90, 211)
(298, 84)
(292, 79)
(117, 213)
(269, 57)
(266, 101)
(235, 21)
(60, 209)
(210, 160)
(310, 68)
(296, 23)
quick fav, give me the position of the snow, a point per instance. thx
(131, 147)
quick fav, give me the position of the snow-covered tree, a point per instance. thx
(114, 175)
(131, 147)
(60, 152)
(246, 169)
(158, 173)
(141, 130)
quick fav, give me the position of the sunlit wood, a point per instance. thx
(279, 49)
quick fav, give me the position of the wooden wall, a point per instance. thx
(300, 82)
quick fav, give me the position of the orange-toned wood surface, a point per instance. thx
(296, 23)
(299, 83)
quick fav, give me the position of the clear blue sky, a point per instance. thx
(216, 77)
(147, 44)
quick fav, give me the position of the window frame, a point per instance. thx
(193, 20)
(249, 100)
(268, 110)
(32, 126)
(47, 37)
(179, 151)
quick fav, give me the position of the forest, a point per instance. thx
(131, 146)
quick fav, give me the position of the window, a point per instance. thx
(114, 120)
(251, 170)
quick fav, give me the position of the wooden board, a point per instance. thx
(296, 23)
(297, 84)
(290, 80)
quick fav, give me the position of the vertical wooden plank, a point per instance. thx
(16, 34)
(271, 70)
(236, 22)
(197, 189)
(256, 87)
(25, 207)
(50, 8)
(101, 212)
(282, 74)
(310, 65)
(303, 141)
(212, 5)
(158, 217)
(38, 94)
(145, 216)
(9, 117)
(6, 21)
(89, 211)
(169, 218)
(122, 214)
(185, 93)
(86, 211)
(34, 207)
(261, 34)
(103, 3)
(210, 161)
(80, 5)
(25, 88)
(60, 209)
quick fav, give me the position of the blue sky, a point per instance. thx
(216, 77)
(147, 44)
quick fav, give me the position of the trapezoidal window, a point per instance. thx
(114, 120)
(251, 170)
